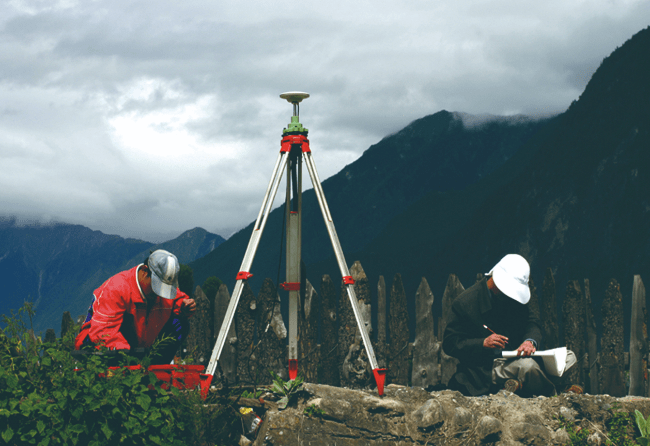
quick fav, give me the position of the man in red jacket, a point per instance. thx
(135, 307)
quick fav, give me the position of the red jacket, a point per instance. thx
(119, 301)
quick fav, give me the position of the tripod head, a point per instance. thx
(295, 98)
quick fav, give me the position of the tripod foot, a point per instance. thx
(380, 378)
(293, 369)
(206, 382)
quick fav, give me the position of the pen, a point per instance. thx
(488, 328)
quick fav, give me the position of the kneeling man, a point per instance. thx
(492, 316)
(135, 307)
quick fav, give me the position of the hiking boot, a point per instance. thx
(575, 389)
(512, 385)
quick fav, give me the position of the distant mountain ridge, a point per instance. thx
(434, 153)
(449, 193)
(58, 266)
(576, 199)
(573, 195)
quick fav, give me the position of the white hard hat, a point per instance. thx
(510, 275)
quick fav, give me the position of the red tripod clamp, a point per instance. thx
(290, 286)
(290, 140)
(244, 275)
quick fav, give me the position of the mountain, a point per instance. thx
(576, 198)
(187, 247)
(571, 192)
(441, 152)
(58, 266)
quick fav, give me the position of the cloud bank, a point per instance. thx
(145, 119)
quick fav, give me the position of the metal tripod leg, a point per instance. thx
(380, 374)
(244, 271)
(294, 242)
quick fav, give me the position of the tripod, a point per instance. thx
(294, 149)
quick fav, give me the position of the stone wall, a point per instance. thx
(324, 415)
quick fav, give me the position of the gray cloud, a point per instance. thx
(146, 119)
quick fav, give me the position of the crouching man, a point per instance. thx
(492, 316)
(136, 307)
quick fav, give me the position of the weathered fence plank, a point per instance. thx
(227, 365)
(425, 348)
(50, 335)
(271, 352)
(638, 341)
(592, 343)
(328, 372)
(245, 318)
(612, 362)
(380, 349)
(346, 337)
(398, 349)
(548, 311)
(308, 348)
(533, 303)
(67, 324)
(573, 311)
(452, 290)
(198, 344)
(356, 371)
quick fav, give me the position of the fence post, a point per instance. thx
(353, 361)
(447, 363)
(308, 348)
(356, 369)
(271, 352)
(612, 362)
(329, 370)
(381, 323)
(638, 341)
(50, 335)
(398, 349)
(67, 324)
(425, 347)
(548, 311)
(573, 309)
(228, 359)
(533, 303)
(592, 343)
(198, 341)
(245, 316)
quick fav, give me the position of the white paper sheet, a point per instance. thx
(554, 360)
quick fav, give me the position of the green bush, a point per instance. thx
(49, 397)
(644, 428)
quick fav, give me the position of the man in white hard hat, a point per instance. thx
(135, 307)
(487, 318)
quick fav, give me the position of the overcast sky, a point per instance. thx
(148, 118)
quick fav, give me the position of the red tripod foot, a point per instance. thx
(380, 378)
(293, 369)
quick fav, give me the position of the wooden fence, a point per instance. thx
(331, 350)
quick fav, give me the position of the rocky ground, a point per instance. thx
(324, 415)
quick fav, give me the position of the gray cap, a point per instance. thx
(164, 269)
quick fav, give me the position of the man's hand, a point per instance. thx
(187, 306)
(495, 341)
(526, 349)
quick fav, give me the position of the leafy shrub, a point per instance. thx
(619, 428)
(644, 428)
(48, 397)
(285, 389)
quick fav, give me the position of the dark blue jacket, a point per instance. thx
(464, 335)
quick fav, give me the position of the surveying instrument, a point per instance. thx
(294, 148)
